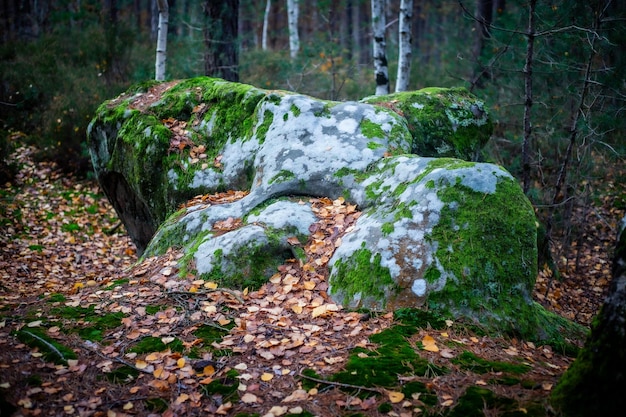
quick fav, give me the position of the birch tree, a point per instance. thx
(381, 71)
(405, 45)
(266, 19)
(292, 22)
(161, 48)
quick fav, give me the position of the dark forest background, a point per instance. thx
(60, 59)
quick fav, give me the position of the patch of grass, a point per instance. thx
(467, 360)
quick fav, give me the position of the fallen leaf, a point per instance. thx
(267, 377)
(249, 398)
(429, 344)
(395, 397)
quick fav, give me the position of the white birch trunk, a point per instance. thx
(381, 71)
(405, 45)
(266, 19)
(161, 48)
(292, 22)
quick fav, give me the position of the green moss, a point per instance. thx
(393, 357)
(98, 323)
(421, 319)
(362, 274)
(155, 344)
(471, 362)
(443, 122)
(282, 176)
(295, 110)
(157, 405)
(225, 386)
(153, 309)
(430, 184)
(372, 129)
(387, 228)
(56, 298)
(252, 268)
(477, 399)
(385, 408)
(50, 348)
(263, 128)
(122, 375)
(426, 395)
(117, 283)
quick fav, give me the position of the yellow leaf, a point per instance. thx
(128, 406)
(182, 398)
(395, 397)
(210, 285)
(297, 308)
(267, 377)
(141, 364)
(193, 288)
(429, 344)
(309, 285)
(180, 362)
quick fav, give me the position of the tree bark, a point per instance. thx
(161, 48)
(221, 57)
(405, 46)
(381, 71)
(292, 23)
(266, 18)
(528, 91)
(594, 385)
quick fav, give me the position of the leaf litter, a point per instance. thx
(207, 350)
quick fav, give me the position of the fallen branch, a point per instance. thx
(48, 344)
(117, 359)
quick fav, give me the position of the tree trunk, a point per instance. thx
(221, 57)
(266, 18)
(594, 385)
(405, 48)
(379, 23)
(292, 22)
(528, 91)
(161, 48)
(484, 18)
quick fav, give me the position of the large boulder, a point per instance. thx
(435, 232)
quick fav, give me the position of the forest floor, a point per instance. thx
(86, 329)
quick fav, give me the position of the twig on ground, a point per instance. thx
(48, 344)
(341, 384)
(207, 291)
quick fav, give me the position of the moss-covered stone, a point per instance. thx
(443, 122)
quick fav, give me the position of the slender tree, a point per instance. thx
(528, 91)
(221, 57)
(292, 22)
(161, 48)
(405, 45)
(266, 19)
(381, 71)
